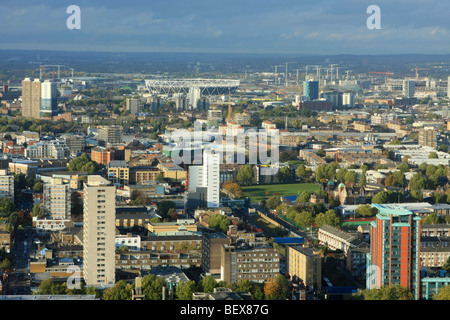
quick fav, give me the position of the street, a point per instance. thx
(20, 281)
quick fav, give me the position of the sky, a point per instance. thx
(228, 26)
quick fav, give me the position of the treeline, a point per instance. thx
(152, 288)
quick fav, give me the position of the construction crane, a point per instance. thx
(417, 72)
(286, 80)
(44, 67)
(331, 67)
(388, 73)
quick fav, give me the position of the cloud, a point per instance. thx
(285, 26)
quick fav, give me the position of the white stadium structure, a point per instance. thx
(207, 87)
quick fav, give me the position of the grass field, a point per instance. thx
(258, 192)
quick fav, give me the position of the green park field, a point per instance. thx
(258, 192)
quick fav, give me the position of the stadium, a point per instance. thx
(207, 87)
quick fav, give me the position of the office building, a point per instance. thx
(311, 90)
(109, 136)
(57, 199)
(99, 217)
(394, 257)
(428, 137)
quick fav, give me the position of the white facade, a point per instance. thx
(57, 199)
(207, 175)
(211, 178)
(132, 242)
(348, 99)
(54, 149)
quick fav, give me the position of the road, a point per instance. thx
(20, 282)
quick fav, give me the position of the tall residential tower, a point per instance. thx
(99, 217)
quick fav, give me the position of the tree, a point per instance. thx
(207, 284)
(164, 206)
(38, 211)
(403, 167)
(366, 210)
(329, 218)
(284, 175)
(219, 222)
(443, 293)
(278, 289)
(301, 171)
(159, 177)
(303, 197)
(320, 172)
(234, 188)
(38, 187)
(396, 292)
(446, 266)
(304, 219)
(433, 155)
(273, 202)
(431, 219)
(83, 163)
(245, 174)
(362, 179)
(350, 177)
(172, 214)
(442, 147)
(6, 207)
(120, 291)
(185, 290)
(321, 152)
(152, 287)
(340, 175)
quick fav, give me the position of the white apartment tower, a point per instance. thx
(208, 176)
(57, 199)
(211, 177)
(99, 216)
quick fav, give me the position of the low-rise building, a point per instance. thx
(257, 264)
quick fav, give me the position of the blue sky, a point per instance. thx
(238, 26)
